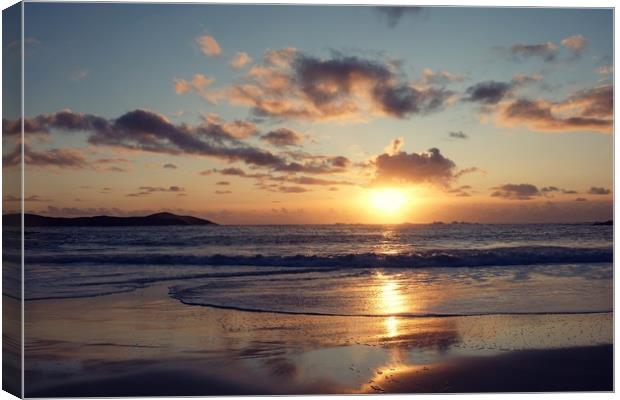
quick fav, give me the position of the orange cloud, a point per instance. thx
(289, 84)
(208, 45)
(241, 60)
(585, 110)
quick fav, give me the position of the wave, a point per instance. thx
(502, 256)
(178, 295)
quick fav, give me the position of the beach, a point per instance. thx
(146, 343)
(317, 309)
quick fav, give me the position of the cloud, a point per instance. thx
(522, 191)
(290, 84)
(431, 167)
(581, 199)
(241, 60)
(458, 135)
(59, 158)
(292, 189)
(222, 192)
(238, 129)
(520, 79)
(469, 170)
(492, 92)
(393, 15)
(585, 110)
(147, 190)
(63, 120)
(222, 183)
(198, 84)
(208, 45)
(143, 130)
(599, 191)
(308, 180)
(605, 70)
(548, 190)
(263, 178)
(547, 51)
(232, 171)
(461, 191)
(489, 92)
(577, 44)
(283, 137)
(32, 198)
(79, 74)
(430, 77)
(170, 166)
(395, 146)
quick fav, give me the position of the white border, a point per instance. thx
(476, 3)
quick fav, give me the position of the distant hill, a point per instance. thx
(159, 219)
(609, 222)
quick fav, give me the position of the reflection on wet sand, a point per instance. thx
(146, 336)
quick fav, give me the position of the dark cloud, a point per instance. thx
(585, 110)
(62, 120)
(581, 199)
(599, 191)
(290, 84)
(469, 170)
(147, 190)
(461, 191)
(62, 158)
(548, 190)
(222, 192)
(292, 189)
(59, 158)
(32, 198)
(283, 137)
(547, 51)
(523, 191)
(458, 135)
(330, 84)
(299, 180)
(170, 166)
(232, 171)
(143, 130)
(222, 183)
(393, 15)
(308, 180)
(489, 92)
(431, 167)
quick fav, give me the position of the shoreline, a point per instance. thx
(129, 343)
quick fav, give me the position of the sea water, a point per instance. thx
(374, 270)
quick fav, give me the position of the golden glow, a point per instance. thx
(391, 327)
(388, 200)
(391, 300)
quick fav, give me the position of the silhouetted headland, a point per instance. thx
(159, 219)
(609, 222)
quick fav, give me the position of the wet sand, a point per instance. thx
(146, 343)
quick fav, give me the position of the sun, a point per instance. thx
(387, 200)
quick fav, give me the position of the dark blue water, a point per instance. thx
(335, 269)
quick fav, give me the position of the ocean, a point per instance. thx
(345, 270)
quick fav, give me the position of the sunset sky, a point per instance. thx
(316, 114)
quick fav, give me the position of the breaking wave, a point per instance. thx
(502, 256)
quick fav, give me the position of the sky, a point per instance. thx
(256, 114)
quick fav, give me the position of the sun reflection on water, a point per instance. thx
(391, 301)
(391, 327)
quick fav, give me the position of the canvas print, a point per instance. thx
(240, 199)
